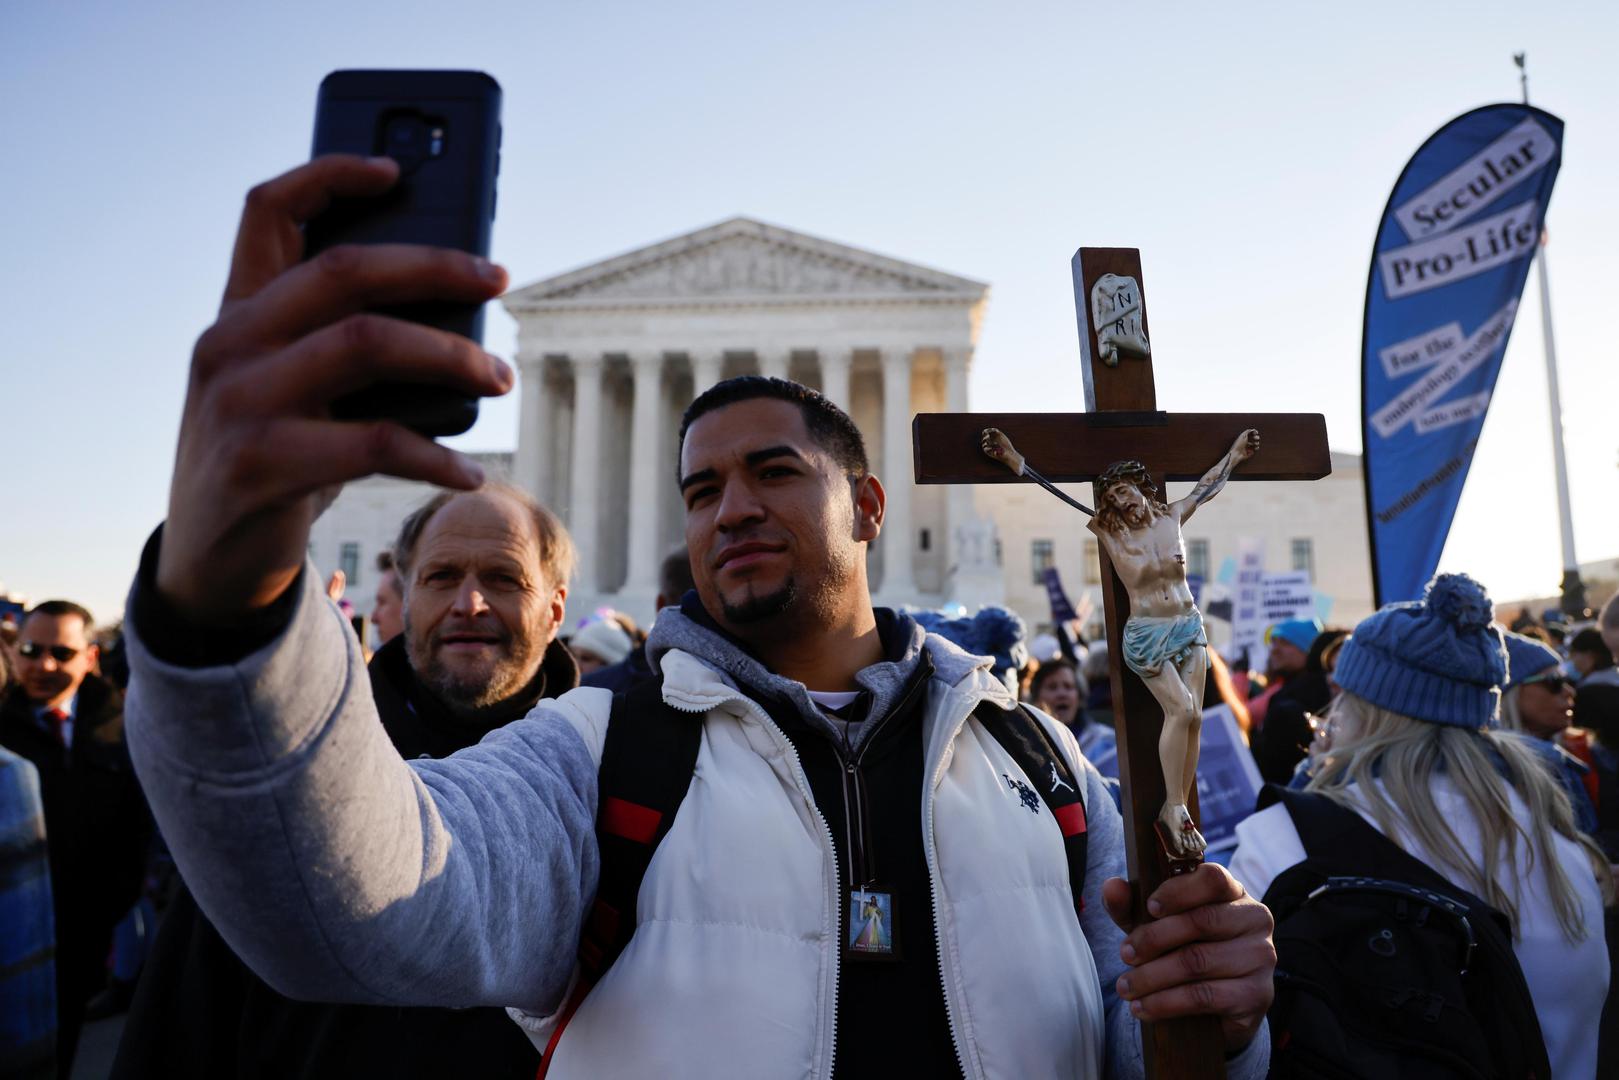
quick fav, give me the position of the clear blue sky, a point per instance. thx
(1246, 149)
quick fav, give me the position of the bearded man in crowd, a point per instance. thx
(485, 582)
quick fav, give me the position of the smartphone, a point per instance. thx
(443, 128)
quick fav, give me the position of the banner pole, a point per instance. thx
(1573, 602)
(1573, 589)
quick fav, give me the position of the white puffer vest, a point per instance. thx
(733, 968)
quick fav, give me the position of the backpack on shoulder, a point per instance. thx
(1384, 968)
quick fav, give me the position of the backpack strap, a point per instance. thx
(648, 758)
(1339, 842)
(1024, 737)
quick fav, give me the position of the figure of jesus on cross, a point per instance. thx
(1157, 645)
(1164, 641)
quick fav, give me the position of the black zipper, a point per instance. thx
(858, 828)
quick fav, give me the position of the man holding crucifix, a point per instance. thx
(845, 756)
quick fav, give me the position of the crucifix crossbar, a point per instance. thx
(1122, 422)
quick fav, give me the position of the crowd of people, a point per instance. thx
(780, 832)
(1485, 753)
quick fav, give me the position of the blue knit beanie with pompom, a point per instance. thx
(1436, 659)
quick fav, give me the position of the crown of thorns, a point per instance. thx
(1129, 472)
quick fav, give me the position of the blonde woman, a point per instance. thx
(1412, 752)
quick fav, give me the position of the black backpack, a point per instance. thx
(1386, 970)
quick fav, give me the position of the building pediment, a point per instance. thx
(743, 260)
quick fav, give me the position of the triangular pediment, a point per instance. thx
(744, 259)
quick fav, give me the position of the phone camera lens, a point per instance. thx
(410, 138)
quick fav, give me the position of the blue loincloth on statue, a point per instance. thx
(1152, 641)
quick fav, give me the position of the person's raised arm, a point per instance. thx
(1245, 446)
(333, 867)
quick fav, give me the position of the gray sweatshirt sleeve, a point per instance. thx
(1104, 860)
(339, 872)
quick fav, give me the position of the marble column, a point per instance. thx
(585, 497)
(973, 577)
(835, 364)
(645, 469)
(528, 469)
(706, 368)
(773, 362)
(897, 540)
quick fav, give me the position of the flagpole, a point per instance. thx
(1573, 599)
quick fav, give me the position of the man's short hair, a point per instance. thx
(1590, 641)
(674, 576)
(385, 561)
(556, 546)
(827, 424)
(58, 608)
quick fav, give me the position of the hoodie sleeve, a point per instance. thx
(1104, 860)
(337, 871)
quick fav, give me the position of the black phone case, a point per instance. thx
(443, 199)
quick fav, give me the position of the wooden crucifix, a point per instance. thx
(1121, 427)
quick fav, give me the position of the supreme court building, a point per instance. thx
(609, 356)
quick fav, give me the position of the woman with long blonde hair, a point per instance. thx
(1413, 751)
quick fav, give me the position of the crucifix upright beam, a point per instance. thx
(1123, 422)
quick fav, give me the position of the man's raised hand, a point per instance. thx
(257, 442)
(1208, 952)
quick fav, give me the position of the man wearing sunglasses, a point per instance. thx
(69, 723)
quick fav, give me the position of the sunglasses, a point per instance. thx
(1554, 683)
(31, 650)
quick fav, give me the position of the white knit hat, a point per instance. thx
(604, 638)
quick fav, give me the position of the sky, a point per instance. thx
(1246, 149)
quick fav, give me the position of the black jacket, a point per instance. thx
(97, 829)
(199, 1011)
(622, 675)
(1284, 739)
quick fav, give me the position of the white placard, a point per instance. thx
(1287, 596)
(1247, 616)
